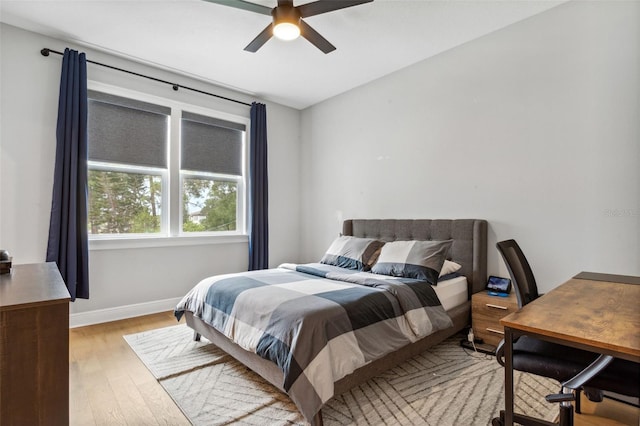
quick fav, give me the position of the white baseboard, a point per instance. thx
(98, 316)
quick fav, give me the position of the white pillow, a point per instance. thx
(449, 267)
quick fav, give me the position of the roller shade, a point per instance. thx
(211, 145)
(127, 131)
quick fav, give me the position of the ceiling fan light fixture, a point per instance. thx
(286, 31)
(286, 22)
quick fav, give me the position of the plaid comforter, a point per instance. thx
(317, 322)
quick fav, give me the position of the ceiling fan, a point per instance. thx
(287, 20)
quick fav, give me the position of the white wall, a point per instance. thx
(534, 127)
(29, 87)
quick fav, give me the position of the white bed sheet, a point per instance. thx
(452, 292)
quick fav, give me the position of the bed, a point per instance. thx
(466, 244)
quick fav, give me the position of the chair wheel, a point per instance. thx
(496, 422)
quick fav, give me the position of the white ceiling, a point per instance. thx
(206, 40)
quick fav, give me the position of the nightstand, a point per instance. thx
(486, 312)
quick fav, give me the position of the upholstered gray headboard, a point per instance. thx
(469, 240)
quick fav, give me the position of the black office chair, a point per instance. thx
(575, 369)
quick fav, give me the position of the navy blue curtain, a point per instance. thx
(68, 240)
(258, 190)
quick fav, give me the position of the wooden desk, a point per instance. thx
(594, 312)
(34, 346)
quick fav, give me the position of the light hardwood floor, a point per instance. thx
(109, 385)
(608, 412)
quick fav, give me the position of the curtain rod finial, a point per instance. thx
(45, 52)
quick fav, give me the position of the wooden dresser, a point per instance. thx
(486, 312)
(34, 346)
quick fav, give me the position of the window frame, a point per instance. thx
(240, 189)
(125, 168)
(171, 233)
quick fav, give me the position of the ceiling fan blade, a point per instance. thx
(318, 7)
(315, 38)
(260, 40)
(244, 5)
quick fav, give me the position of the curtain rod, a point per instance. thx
(175, 86)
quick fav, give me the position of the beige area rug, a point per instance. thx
(446, 385)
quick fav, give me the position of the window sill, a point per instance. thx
(119, 243)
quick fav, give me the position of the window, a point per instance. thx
(210, 173)
(128, 143)
(164, 169)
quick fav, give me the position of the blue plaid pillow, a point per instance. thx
(352, 252)
(421, 260)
